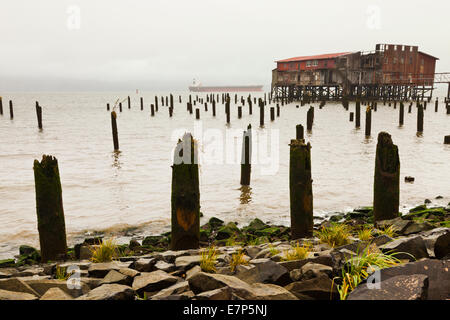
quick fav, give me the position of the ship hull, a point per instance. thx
(225, 88)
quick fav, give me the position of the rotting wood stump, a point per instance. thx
(300, 188)
(386, 188)
(49, 209)
(185, 196)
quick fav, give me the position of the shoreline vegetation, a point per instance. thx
(257, 261)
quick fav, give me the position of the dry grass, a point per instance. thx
(365, 234)
(105, 252)
(336, 235)
(390, 231)
(297, 252)
(237, 259)
(208, 259)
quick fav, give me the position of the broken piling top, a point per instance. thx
(49, 209)
(386, 187)
(185, 199)
(300, 189)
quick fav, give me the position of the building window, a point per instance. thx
(395, 48)
(308, 63)
(325, 63)
(410, 60)
(402, 61)
(395, 60)
(315, 63)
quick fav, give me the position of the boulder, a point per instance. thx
(442, 246)
(405, 247)
(164, 266)
(398, 223)
(311, 270)
(202, 282)
(144, 265)
(153, 281)
(382, 239)
(5, 263)
(17, 285)
(187, 262)
(177, 288)
(56, 294)
(100, 270)
(129, 272)
(437, 271)
(320, 288)
(42, 286)
(224, 293)
(415, 227)
(114, 276)
(227, 231)
(110, 292)
(86, 251)
(24, 249)
(13, 295)
(267, 272)
(297, 264)
(193, 271)
(406, 287)
(252, 251)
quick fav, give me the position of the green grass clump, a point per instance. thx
(390, 231)
(273, 251)
(104, 252)
(237, 259)
(335, 235)
(358, 268)
(61, 273)
(208, 259)
(297, 252)
(365, 234)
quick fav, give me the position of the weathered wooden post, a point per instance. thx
(261, 114)
(419, 118)
(410, 107)
(299, 132)
(250, 107)
(171, 101)
(152, 110)
(401, 114)
(1, 106)
(368, 121)
(129, 102)
(358, 114)
(239, 112)
(170, 111)
(11, 110)
(436, 105)
(446, 139)
(227, 109)
(114, 130)
(351, 116)
(197, 113)
(278, 110)
(39, 115)
(300, 189)
(120, 106)
(107, 107)
(167, 100)
(246, 166)
(214, 108)
(272, 114)
(206, 107)
(309, 119)
(49, 209)
(386, 189)
(142, 103)
(424, 105)
(156, 103)
(185, 199)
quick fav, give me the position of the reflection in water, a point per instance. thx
(116, 163)
(246, 194)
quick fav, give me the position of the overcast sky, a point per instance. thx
(59, 45)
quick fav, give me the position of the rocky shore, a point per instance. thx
(258, 261)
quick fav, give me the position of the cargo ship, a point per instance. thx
(197, 87)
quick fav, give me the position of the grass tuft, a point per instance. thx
(105, 252)
(390, 231)
(336, 235)
(297, 252)
(365, 234)
(237, 259)
(358, 268)
(208, 259)
(61, 273)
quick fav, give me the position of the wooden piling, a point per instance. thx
(114, 130)
(272, 113)
(156, 103)
(152, 110)
(1, 106)
(120, 106)
(368, 121)
(300, 189)
(170, 111)
(401, 114)
(358, 114)
(49, 209)
(246, 166)
(278, 110)
(351, 116)
(239, 112)
(261, 115)
(39, 115)
(197, 113)
(107, 107)
(11, 109)
(386, 190)
(129, 102)
(309, 119)
(419, 118)
(185, 198)
(299, 132)
(436, 104)
(214, 108)
(410, 107)
(447, 140)
(142, 103)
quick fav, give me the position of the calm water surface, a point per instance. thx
(112, 192)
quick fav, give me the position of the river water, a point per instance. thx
(111, 192)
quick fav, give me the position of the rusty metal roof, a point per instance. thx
(316, 57)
